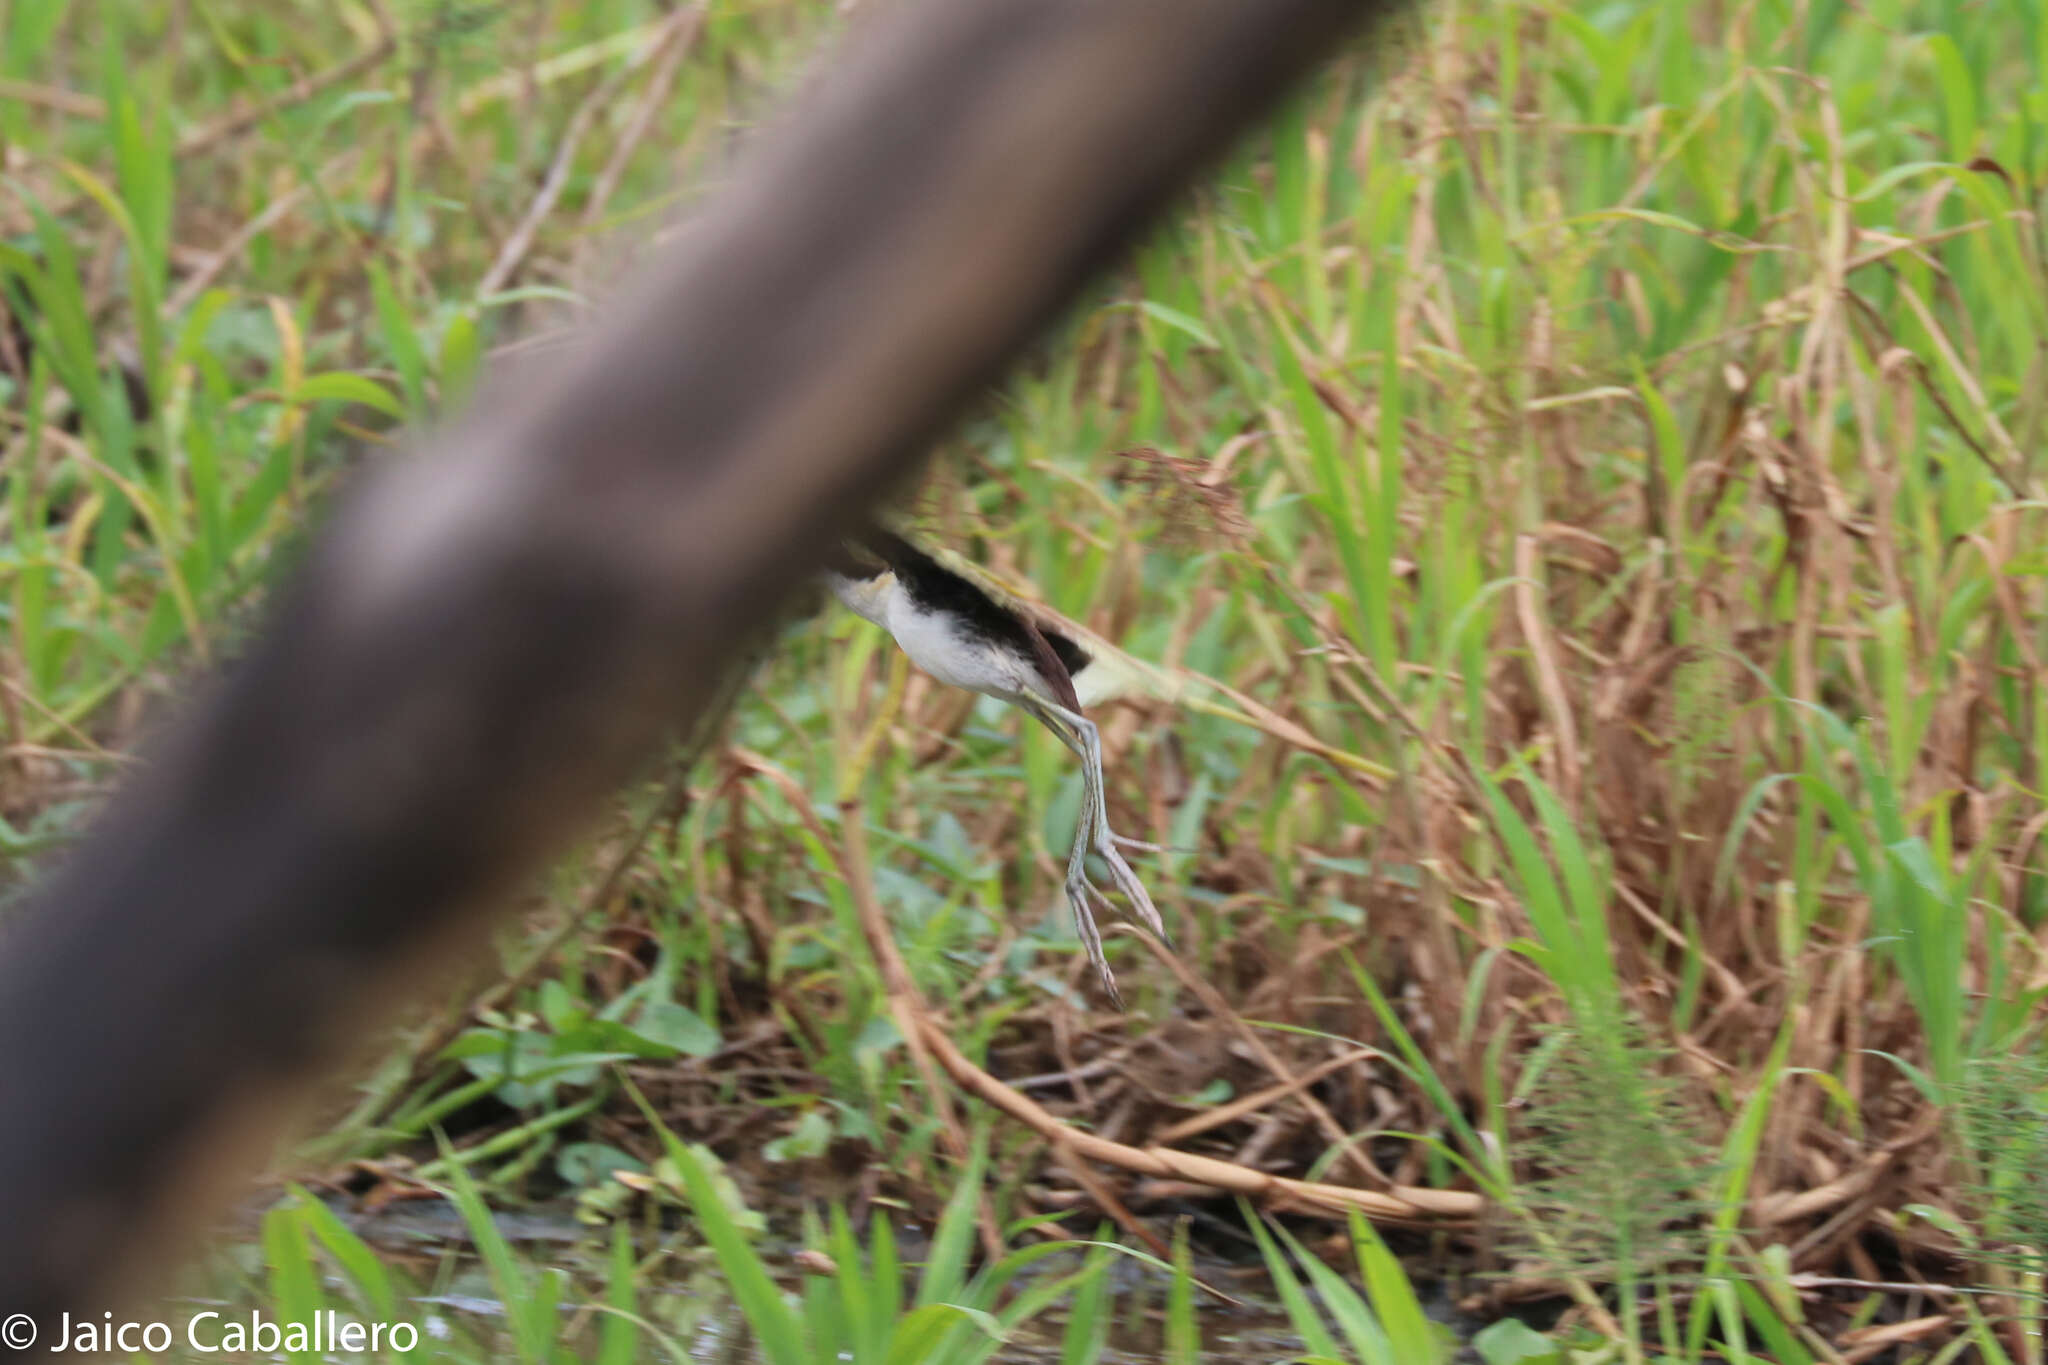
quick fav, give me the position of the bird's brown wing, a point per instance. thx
(1049, 665)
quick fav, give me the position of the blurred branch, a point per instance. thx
(490, 637)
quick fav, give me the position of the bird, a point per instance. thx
(966, 635)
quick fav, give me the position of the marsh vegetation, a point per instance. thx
(1577, 469)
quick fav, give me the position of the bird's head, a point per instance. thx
(861, 583)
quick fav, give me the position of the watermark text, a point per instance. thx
(207, 1332)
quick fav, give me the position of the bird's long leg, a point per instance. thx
(1078, 887)
(1078, 733)
(1078, 890)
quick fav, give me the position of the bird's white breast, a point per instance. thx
(936, 643)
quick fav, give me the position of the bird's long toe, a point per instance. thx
(1125, 841)
(1127, 882)
(1079, 888)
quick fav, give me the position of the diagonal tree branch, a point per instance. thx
(491, 635)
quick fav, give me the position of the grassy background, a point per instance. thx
(1585, 478)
